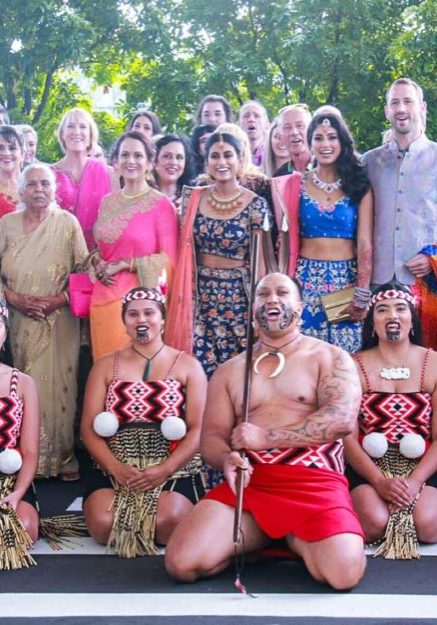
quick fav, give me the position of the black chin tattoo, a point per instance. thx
(285, 319)
(393, 335)
(142, 335)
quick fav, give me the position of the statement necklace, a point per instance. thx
(148, 367)
(225, 203)
(395, 373)
(275, 351)
(137, 195)
(327, 187)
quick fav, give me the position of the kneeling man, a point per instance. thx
(304, 399)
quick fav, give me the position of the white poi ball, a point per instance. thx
(105, 424)
(10, 461)
(412, 446)
(375, 444)
(173, 428)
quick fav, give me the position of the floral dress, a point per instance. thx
(221, 294)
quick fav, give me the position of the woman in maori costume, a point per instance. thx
(19, 441)
(394, 477)
(145, 480)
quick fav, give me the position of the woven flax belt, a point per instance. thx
(14, 540)
(400, 538)
(133, 530)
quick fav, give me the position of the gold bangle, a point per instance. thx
(132, 265)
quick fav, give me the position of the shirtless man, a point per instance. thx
(300, 416)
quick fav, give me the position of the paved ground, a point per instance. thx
(86, 585)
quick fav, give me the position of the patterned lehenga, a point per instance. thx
(220, 320)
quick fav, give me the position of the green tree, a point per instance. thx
(39, 38)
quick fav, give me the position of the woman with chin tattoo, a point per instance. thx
(393, 457)
(141, 425)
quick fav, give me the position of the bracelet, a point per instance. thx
(67, 297)
(132, 265)
(361, 297)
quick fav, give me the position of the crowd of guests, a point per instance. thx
(165, 227)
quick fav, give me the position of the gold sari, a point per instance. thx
(39, 263)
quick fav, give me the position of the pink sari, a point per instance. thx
(83, 198)
(285, 194)
(180, 314)
(144, 229)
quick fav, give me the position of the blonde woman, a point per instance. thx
(81, 181)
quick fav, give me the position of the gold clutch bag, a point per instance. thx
(335, 303)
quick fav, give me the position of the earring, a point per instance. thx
(373, 332)
(412, 331)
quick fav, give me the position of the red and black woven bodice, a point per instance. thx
(147, 402)
(396, 414)
(11, 415)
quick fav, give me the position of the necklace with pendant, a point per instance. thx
(148, 367)
(395, 373)
(225, 204)
(327, 187)
(273, 351)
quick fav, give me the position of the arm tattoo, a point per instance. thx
(339, 397)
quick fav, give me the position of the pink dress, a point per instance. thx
(83, 198)
(144, 229)
(7, 204)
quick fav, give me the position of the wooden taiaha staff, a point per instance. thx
(254, 265)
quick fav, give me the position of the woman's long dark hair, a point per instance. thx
(187, 175)
(370, 338)
(354, 180)
(198, 132)
(152, 117)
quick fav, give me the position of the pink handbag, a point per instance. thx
(80, 289)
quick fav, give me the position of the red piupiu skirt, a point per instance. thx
(311, 504)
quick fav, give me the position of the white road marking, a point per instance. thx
(213, 604)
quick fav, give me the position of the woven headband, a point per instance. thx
(138, 294)
(393, 294)
(4, 312)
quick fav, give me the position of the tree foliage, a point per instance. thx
(169, 53)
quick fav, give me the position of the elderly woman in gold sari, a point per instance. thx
(39, 246)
